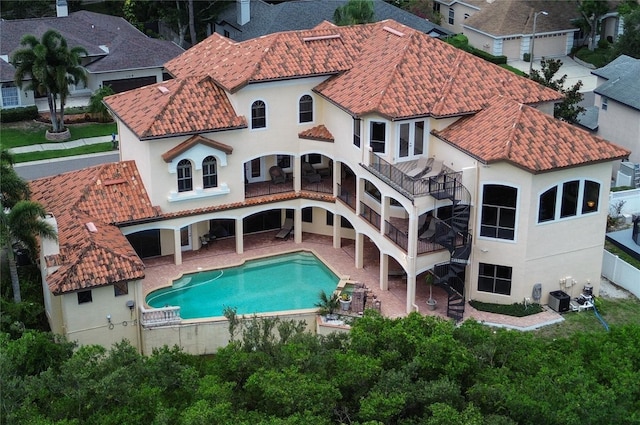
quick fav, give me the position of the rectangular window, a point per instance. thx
(120, 288)
(498, 212)
(9, 95)
(313, 158)
(569, 205)
(329, 220)
(84, 297)
(307, 215)
(227, 34)
(377, 136)
(451, 15)
(495, 279)
(605, 103)
(357, 128)
(283, 161)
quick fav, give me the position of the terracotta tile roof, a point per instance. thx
(319, 132)
(175, 107)
(522, 135)
(401, 76)
(192, 141)
(104, 195)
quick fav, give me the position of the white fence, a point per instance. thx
(621, 273)
(630, 199)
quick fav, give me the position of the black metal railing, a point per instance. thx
(253, 190)
(347, 197)
(370, 215)
(396, 235)
(320, 187)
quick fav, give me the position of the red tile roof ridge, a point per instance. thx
(517, 133)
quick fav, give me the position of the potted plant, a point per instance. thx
(431, 302)
(345, 301)
(327, 304)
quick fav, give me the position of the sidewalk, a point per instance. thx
(54, 146)
(573, 69)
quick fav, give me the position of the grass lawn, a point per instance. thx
(614, 311)
(27, 133)
(81, 150)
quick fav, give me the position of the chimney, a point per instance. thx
(61, 8)
(243, 11)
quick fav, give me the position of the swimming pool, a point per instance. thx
(278, 283)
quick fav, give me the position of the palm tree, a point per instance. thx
(354, 12)
(96, 106)
(50, 66)
(20, 219)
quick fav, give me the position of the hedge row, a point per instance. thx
(19, 114)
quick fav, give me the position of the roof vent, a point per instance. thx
(163, 89)
(91, 227)
(392, 31)
(322, 37)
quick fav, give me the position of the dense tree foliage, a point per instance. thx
(354, 12)
(421, 8)
(569, 108)
(628, 43)
(414, 370)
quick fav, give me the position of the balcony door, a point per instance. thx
(254, 170)
(411, 140)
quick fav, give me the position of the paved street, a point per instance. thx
(51, 167)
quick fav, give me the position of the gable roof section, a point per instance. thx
(624, 81)
(530, 139)
(192, 141)
(127, 48)
(319, 132)
(267, 18)
(175, 107)
(515, 17)
(105, 195)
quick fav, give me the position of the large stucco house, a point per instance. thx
(506, 27)
(447, 163)
(119, 55)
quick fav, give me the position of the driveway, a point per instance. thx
(573, 69)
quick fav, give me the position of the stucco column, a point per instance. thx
(177, 247)
(337, 231)
(297, 225)
(297, 173)
(359, 251)
(412, 249)
(411, 286)
(239, 236)
(384, 271)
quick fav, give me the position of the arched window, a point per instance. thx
(569, 199)
(209, 172)
(306, 108)
(185, 176)
(258, 114)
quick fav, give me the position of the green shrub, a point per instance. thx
(460, 41)
(515, 309)
(498, 60)
(19, 114)
(603, 43)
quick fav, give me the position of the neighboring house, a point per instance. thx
(505, 27)
(119, 55)
(446, 162)
(617, 101)
(247, 19)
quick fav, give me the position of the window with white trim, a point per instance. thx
(494, 279)
(283, 161)
(570, 199)
(185, 176)
(605, 103)
(305, 106)
(378, 136)
(357, 131)
(209, 172)
(498, 211)
(84, 297)
(258, 114)
(451, 15)
(10, 95)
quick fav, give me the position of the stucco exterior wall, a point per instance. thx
(620, 124)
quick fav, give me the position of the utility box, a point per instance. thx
(559, 301)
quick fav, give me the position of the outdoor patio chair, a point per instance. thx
(286, 229)
(309, 173)
(277, 175)
(428, 232)
(418, 168)
(204, 242)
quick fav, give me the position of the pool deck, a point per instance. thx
(161, 271)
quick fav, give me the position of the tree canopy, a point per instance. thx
(49, 66)
(412, 370)
(354, 12)
(628, 43)
(569, 109)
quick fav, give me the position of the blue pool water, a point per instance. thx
(282, 282)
